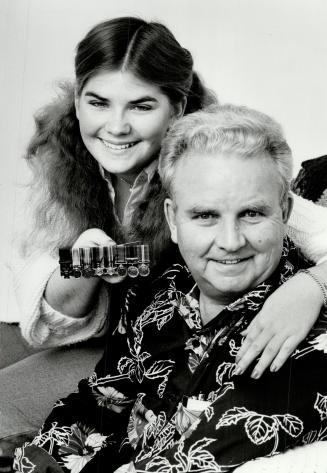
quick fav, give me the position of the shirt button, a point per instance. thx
(173, 397)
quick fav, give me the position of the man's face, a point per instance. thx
(227, 220)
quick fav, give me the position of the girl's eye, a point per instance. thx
(142, 108)
(97, 104)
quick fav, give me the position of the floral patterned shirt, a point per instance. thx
(164, 397)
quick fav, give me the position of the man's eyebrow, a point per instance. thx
(257, 204)
(202, 209)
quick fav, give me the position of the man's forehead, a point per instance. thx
(225, 161)
(208, 168)
(220, 184)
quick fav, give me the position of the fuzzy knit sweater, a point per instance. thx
(41, 325)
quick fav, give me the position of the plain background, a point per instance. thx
(268, 54)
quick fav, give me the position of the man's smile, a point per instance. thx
(231, 261)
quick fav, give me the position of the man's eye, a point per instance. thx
(252, 213)
(204, 216)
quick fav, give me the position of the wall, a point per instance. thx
(268, 54)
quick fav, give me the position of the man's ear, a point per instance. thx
(170, 213)
(76, 100)
(287, 207)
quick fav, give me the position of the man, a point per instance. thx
(167, 396)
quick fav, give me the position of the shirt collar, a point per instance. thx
(187, 302)
(148, 171)
(137, 192)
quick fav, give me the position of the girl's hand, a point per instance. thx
(97, 237)
(310, 458)
(284, 321)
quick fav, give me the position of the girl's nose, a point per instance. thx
(117, 124)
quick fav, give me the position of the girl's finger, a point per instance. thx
(252, 350)
(285, 352)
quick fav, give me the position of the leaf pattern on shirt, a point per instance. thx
(188, 307)
(197, 459)
(234, 348)
(110, 398)
(288, 271)
(133, 368)
(158, 436)
(54, 436)
(315, 435)
(316, 343)
(321, 406)
(22, 463)
(320, 342)
(83, 443)
(184, 418)
(197, 348)
(159, 312)
(224, 373)
(260, 427)
(58, 403)
(252, 300)
(139, 420)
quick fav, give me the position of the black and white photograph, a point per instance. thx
(163, 256)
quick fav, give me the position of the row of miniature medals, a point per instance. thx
(129, 259)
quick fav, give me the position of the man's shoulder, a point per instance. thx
(176, 279)
(176, 276)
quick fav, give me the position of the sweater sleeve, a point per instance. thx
(311, 457)
(41, 325)
(307, 227)
(85, 430)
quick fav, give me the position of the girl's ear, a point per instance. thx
(181, 107)
(178, 109)
(170, 209)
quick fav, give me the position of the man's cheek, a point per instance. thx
(266, 236)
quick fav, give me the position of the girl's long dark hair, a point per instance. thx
(69, 194)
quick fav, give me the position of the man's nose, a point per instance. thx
(117, 123)
(229, 236)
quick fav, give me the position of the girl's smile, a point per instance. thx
(123, 120)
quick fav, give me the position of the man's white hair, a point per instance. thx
(226, 129)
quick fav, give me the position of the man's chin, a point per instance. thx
(229, 290)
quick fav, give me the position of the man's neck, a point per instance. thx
(209, 308)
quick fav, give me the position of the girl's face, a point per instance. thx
(122, 121)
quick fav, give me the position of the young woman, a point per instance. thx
(94, 158)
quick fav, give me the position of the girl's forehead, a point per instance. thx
(123, 82)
